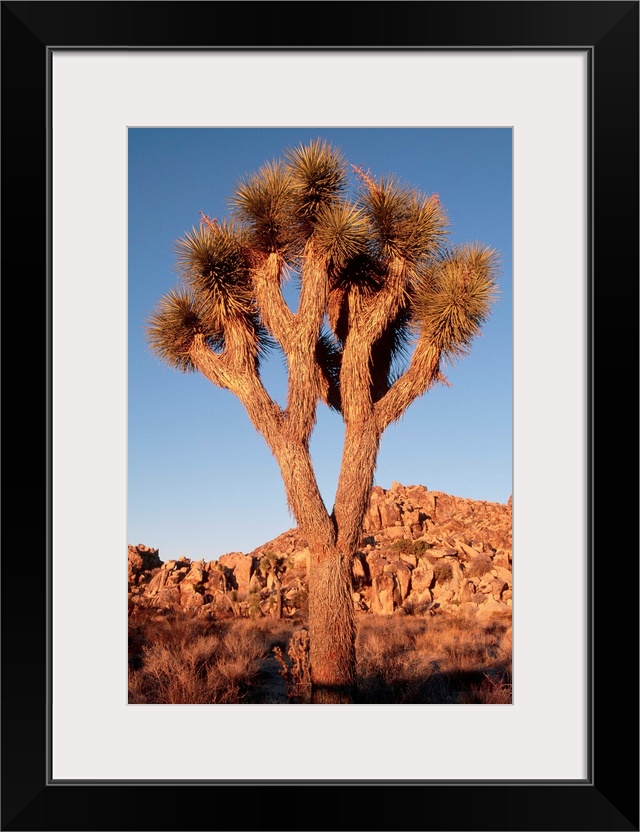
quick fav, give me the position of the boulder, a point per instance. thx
(398, 533)
(196, 574)
(403, 577)
(141, 559)
(240, 566)
(389, 514)
(376, 564)
(498, 586)
(469, 551)
(190, 598)
(371, 521)
(504, 574)
(421, 578)
(467, 591)
(443, 552)
(491, 607)
(382, 592)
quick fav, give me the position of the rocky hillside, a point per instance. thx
(422, 552)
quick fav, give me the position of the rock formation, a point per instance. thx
(422, 552)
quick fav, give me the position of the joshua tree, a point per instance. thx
(276, 566)
(377, 283)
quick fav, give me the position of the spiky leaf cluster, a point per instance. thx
(453, 297)
(318, 174)
(274, 564)
(212, 260)
(340, 233)
(262, 202)
(175, 321)
(404, 224)
(384, 261)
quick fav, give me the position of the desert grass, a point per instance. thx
(438, 659)
(434, 660)
(186, 659)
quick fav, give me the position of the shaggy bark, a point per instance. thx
(332, 627)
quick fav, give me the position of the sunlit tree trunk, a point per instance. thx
(332, 626)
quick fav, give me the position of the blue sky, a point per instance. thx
(201, 481)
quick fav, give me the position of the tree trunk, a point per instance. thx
(332, 627)
(277, 584)
(332, 624)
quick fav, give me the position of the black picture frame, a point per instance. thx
(608, 798)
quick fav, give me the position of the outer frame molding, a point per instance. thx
(608, 800)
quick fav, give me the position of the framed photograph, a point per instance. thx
(561, 79)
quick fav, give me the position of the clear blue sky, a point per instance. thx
(201, 481)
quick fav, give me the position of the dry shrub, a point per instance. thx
(274, 632)
(411, 547)
(478, 566)
(296, 669)
(442, 569)
(387, 661)
(493, 690)
(186, 659)
(190, 660)
(439, 659)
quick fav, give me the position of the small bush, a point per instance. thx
(296, 671)
(478, 566)
(491, 691)
(411, 547)
(254, 604)
(442, 570)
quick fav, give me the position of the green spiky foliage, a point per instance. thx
(446, 294)
(212, 260)
(362, 276)
(340, 234)
(213, 265)
(274, 563)
(318, 174)
(172, 326)
(453, 297)
(262, 203)
(404, 224)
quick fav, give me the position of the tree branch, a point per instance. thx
(314, 293)
(240, 376)
(275, 314)
(384, 306)
(360, 450)
(368, 318)
(306, 382)
(294, 460)
(422, 372)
